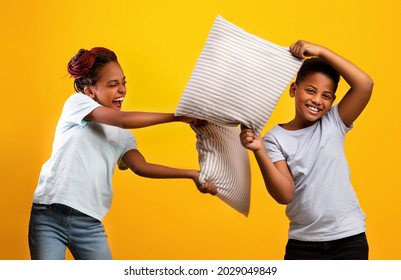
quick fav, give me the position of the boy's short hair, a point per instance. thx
(317, 65)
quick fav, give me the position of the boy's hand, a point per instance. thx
(249, 139)
(303, 49)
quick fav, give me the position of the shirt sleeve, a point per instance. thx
(77, 107)
(131, 144)
(334, 117)
(273, 147)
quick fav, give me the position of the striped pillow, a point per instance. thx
(225, 163)
(238, 78)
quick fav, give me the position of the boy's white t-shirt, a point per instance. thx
(325, 206)
(79, 171)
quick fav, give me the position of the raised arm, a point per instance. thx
(357, 97)
(137, 163)
(277, 177)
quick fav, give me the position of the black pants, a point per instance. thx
(350, 248)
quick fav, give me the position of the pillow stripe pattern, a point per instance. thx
(238, 78)
(225, 163)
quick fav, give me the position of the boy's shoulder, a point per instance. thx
(276, 133)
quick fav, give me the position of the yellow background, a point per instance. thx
(158, 43)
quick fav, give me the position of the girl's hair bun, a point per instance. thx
(83, 61)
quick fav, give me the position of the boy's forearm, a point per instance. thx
(351, 73)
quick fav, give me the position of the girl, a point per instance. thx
(74, 192)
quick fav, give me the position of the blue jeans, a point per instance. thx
(350, 248)
(55, 227)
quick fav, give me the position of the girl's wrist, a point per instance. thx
(178, 118)
(195, 175)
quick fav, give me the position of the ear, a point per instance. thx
(88, 91)
(293, 89)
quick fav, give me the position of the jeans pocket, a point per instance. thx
(40, 208)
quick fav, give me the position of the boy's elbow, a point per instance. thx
(285, 198)
(369, 88)
(365, 89)
(368, 85)
(371, 82)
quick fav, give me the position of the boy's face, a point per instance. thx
(110, 88)
(314, 97)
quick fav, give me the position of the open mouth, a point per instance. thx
(117, 102)
(313, 109)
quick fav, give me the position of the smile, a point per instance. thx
(117, 102)
(313, 109)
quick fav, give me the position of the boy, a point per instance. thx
(303, 163)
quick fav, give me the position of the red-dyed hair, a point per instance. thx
(85, 65)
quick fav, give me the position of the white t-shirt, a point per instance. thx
(79, 171)
(325, 206)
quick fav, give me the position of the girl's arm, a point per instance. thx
(356, 99)
(132, 120)
(137, 163)
(277, 177)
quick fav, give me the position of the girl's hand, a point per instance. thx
(192, 121)
(303, 49)
(207, 187)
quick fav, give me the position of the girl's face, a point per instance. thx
(314, 97)
(110, 88)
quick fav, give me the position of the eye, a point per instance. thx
(327, 96)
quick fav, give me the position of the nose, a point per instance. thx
(317, 99)
(122, 89)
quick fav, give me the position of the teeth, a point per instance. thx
(313, 109)
(119, 99)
